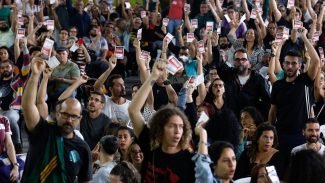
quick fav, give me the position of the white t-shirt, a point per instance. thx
(304, 147)
(117, 113)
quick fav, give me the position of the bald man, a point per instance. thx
(55, 153)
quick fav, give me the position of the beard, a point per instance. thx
(224, 46)
(93, 35)
(122, 93)
(312, 139)
(241, 70)
(66, 129)
(7, 74)
(290, 73)
(4, 29)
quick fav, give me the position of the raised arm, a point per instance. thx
(275, 10)
(101, 80)
(30, 111)
(219, 9)
(314, 58)
(213, 11)
(40, 102)
(140, 97)
(201, 88)
(68, 92)
(274, 62)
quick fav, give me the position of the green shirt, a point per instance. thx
(69, 71)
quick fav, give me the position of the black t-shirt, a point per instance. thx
(162, 167)
(77, 156)
(6, 94)
(268, 42)
(290, 100)
(160, 96)
(285, 23)
(93, 129)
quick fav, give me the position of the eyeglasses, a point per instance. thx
(66, 115)
(240, 59)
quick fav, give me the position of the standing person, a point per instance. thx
(78, 17)
(166, 144)
(56, 154)
(311, 133)
(290, 108)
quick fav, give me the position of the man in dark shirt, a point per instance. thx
(94, 122)
(290, 107)
(79, 18)
(56, 154)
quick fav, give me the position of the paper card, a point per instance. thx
(191, 81)
(144, 55)
(20, 13)
(199, 79)
(187, 7)
(227, 18)
(272, 174)
(209, 26)
(143, 14)
(53, 62)
(219, 28)
(169, 37)
(286, 33)
(291, 3)
(201, 46)
(194, 23)
(20, 20)
(52, 1)
(242, 18)
(165, 22)
(139, 34)
(321, 52)
(47, 48)
(203, 118)
(119, 52)
(74, 47)
(173, 65)
(316, 36)
(20, 33)
(278, 38)
(266, 22)
(190, 37)
(127, 5)
(253, 14)
(297, 24)
(50, 24)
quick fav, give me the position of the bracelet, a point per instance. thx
(201, 142)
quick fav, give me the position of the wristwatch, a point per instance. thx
(272, 55)
(15, 164)
(167, 82)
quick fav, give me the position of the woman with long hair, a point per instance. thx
(261, 151)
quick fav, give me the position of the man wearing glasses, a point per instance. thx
(244, 87)
(56, 154)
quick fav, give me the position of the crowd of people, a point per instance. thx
(227, 90)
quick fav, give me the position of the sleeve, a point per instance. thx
(75, 71)
(191, 114)
(85, 173)
(277, 161)
(5, 122)
(242, 169)
(100, 176)
(203, 171)
(103, 44)
(144, 140)
(264, 101)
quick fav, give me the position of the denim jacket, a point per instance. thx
(203, 171)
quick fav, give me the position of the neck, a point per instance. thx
(68, 136)
(170, 150)
(105, 158)
(246, 73)
(250, 45)
(117, 100)
(63, 63)
(94, 114)
(291, 79)
(225, 180)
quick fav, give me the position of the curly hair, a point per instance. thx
(158, 122)
(255, 173)
(254, 113)
(253, 150)
(210, 96)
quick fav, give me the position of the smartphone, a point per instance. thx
(80, 41)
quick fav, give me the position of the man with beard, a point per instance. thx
(79, 17)
(94, 122)
(6, 98)
(116, 106)
(311, 133)
(290, 104)
(7, 35)
(244, 87)
(226, 51)
(96, 42)
(55, 153)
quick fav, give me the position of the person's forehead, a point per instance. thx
(118, 81)
(312, 126)
(243, 55)
(289, 58)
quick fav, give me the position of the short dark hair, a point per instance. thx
(241, 50)
(294, 53)
(34, 48)
(64, 29)
(216, 149)
(9, 61)
(127, 172)
(112, 78)
(310, 121)
(102, 96)
(131, 132)
(109, 144)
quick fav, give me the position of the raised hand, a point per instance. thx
(38, 65)
(47, 72)
(83, 79)
(136, 43)
(112, 62)
(159, 69)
